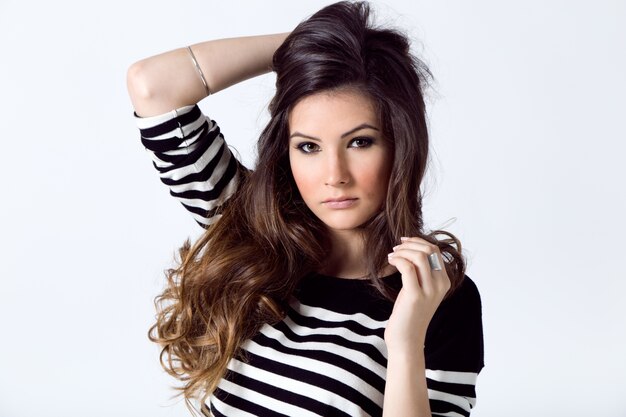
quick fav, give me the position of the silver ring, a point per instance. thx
(433, 260)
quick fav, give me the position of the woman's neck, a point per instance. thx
(347, 257)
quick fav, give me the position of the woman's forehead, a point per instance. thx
(332, 113)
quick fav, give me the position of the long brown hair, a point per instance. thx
(241, 273)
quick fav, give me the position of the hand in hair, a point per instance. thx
(422, 291)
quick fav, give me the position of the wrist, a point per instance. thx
(405, 348)
(404, 356)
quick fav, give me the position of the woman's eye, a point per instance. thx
(307, 147)
(361, 142)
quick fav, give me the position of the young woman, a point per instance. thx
(315, 289)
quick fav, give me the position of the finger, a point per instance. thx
(418, 240)
(424, 246)
(431, 247)
(419, 259)
(432, 283)
(421, 246)
(410, 280)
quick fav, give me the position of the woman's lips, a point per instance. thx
(341, 204)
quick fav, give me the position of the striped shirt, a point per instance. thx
(327, 357)
(190, 154)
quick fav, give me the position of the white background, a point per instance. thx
(527, 123)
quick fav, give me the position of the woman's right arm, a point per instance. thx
(187, 147)
(167, 81)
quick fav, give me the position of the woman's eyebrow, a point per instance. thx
(359, 127)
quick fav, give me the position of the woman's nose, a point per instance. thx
(337, 172)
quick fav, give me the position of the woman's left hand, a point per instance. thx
(421, 293)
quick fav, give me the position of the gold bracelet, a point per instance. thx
(195, 62)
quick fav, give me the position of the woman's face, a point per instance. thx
(339, 159)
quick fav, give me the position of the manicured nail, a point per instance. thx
(390, 255)
(404, 238)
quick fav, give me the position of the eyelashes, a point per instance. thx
(358, 143)
(364, 142)
(307, 147)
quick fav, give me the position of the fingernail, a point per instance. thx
(404, 238)
(395, 247)
(390, 255)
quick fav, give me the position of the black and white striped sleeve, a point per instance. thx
(192, 159)
(454, 352)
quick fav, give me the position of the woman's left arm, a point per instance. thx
(423, 289)
(435, 347)
(406, 393)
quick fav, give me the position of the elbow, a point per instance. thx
(138, 84)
